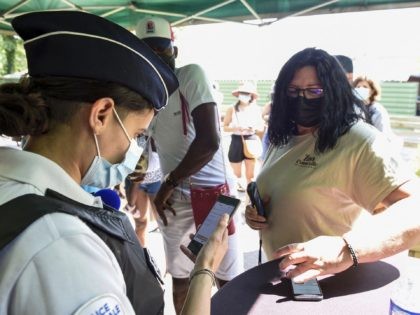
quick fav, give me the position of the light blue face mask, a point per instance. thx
(363, 93)
(246, 98)
(103, 174)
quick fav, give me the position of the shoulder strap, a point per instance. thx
(140, 275)
(19, 217)
(184, 112)
(24, 210)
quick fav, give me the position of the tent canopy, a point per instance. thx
(186, 12)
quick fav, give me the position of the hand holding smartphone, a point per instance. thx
(254, 197)
(224, 204)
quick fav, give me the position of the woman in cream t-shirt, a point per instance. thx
(325, 169)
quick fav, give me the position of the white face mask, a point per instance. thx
(103, 174)
(246, 98)
(363, 93)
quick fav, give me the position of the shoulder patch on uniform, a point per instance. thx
(105, 304)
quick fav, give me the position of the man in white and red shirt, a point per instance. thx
(189, 150)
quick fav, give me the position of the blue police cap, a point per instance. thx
(83, 45)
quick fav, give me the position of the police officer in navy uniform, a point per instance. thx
(92, 89)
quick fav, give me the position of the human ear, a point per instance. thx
(101, 114)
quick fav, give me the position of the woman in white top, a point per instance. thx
(370, 93)
(244, 120)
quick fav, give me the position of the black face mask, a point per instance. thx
(305, 112)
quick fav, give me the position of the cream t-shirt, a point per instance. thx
(323, 194)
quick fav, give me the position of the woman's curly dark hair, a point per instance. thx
(341, 107)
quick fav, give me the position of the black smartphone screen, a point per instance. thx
(254, 197)
(307, 291)
(224, 204)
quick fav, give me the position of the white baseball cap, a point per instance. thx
(153, 27)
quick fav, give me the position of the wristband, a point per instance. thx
(170, 182)
(204, 271)
(352, 253)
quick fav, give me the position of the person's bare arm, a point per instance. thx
(260, 124)
(200, 152)
(205, 144)
(388, 233)
(266, 110)
(228, 120)
(394, 230)
(199, 293)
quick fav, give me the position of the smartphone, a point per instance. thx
(307, 291)
(224, 204)
(254, 197)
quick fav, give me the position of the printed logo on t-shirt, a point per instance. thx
(307, 161)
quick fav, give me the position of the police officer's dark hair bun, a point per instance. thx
(22, 112)
(36, 105)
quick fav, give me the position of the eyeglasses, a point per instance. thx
(308, 92)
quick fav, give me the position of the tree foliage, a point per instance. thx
(12, 55)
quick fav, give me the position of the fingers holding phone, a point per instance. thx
(212, 253)
(223, 205)
(255, 214)
(253, 219)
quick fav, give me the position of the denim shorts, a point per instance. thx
(151, 188)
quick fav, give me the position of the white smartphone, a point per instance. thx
(224, 204)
